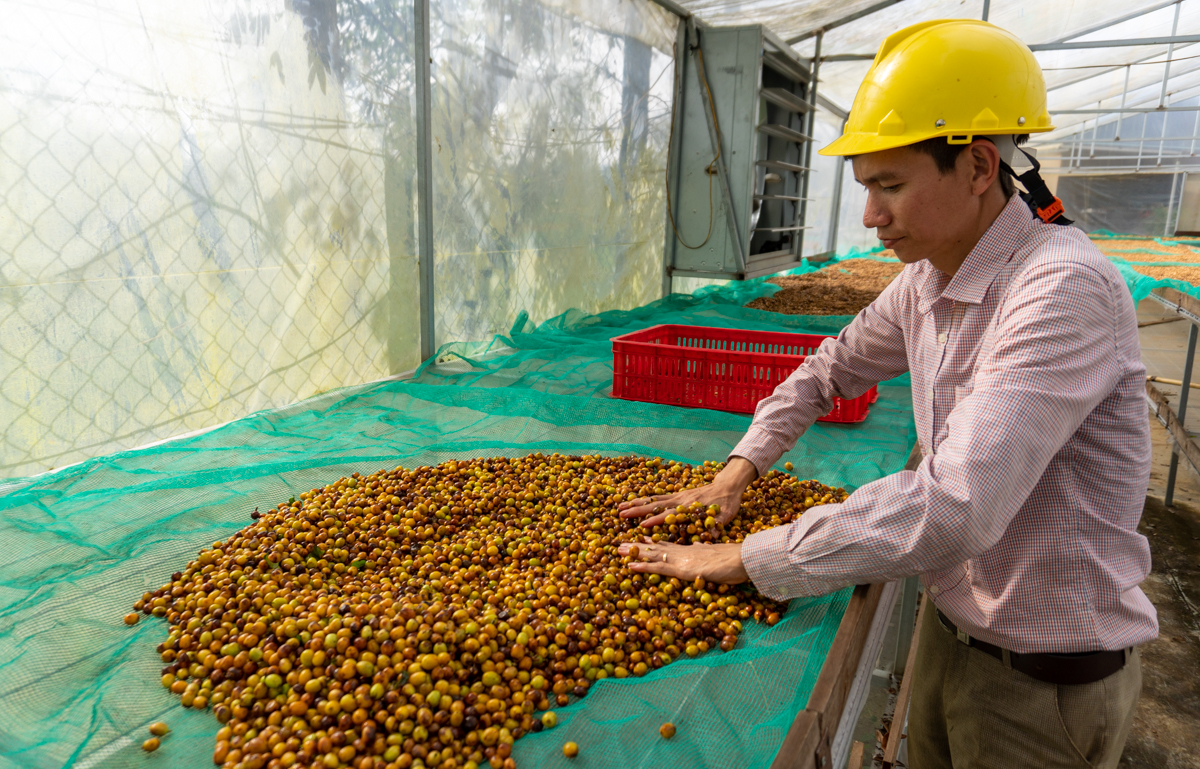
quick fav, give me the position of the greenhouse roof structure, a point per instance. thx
(1113, 68)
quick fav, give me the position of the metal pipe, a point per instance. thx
(1162, 135)
(1141, 143)
(1124, 95)
(908, 615)
(1128, 42)
(835, 215)
(1116, 21)
(1179, 207)
(1170, 205)
(673, 152)
(1182, 138)
(1185, 391)
(674, 8)
(1123, 110)
(987, 5)
(802, 209)
(1095, 130)
(1187, 138)
(1162, 97)
(843, 20)
(1195, 133)
(424, 99)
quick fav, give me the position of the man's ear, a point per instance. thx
(985, 165)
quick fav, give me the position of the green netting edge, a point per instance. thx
(640, 708)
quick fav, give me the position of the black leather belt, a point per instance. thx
(1062, 669)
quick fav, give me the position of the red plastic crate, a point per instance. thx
(717, 368)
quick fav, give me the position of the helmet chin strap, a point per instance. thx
(1038, 197)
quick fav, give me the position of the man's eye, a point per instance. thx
(891, 188)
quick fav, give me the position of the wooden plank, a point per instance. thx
(857, 750)
(1181, 300)
(799, 748)
(1166, 415)
(829, 695)
(895, 734)
(807, 743)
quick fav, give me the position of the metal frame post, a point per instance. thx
(907, 619)
(835, 213)
(1095, 131)
(1195, 133)
(424, 105)
(802, 209)
(1184, 390)
(1162, 97)
(987, 6)
(1179, 206)
(1124, 94)
(673, 159)
(1171, 202)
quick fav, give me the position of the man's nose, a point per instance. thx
(875, 215)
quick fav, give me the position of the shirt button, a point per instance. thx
(942, 338)
(934, 590)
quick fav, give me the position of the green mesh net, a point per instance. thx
(78, 687)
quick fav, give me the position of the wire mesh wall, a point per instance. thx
(194, 221)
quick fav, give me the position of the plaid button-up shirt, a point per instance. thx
(1027, 386)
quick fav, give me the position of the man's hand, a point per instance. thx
(725, 491)
(714, 563)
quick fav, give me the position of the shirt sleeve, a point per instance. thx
(866, 352)
(1054, 360)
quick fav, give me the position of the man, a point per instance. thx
(1027, 389)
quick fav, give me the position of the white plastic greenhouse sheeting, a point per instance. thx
(207, 208)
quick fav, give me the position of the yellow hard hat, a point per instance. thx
(957, 78)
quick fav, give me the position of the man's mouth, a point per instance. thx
(890, 242)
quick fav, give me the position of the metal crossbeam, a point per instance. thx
(1126, 110)
(1123, 43)
(842, 21)
(674, 8)
(1116, 21)
(1128, 42)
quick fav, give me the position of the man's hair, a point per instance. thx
(945, 155)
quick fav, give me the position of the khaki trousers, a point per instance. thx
(969, 711)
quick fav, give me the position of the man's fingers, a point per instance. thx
(667, 569)
(637, 508)
(658, 519)
(641, 502)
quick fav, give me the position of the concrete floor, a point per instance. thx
(1167, 721)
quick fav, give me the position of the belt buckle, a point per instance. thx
(962, 635)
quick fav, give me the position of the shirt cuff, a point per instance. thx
(767, 558)
(752, 449)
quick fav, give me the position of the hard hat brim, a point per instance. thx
(863, 143)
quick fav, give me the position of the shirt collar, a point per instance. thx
(994, 250)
